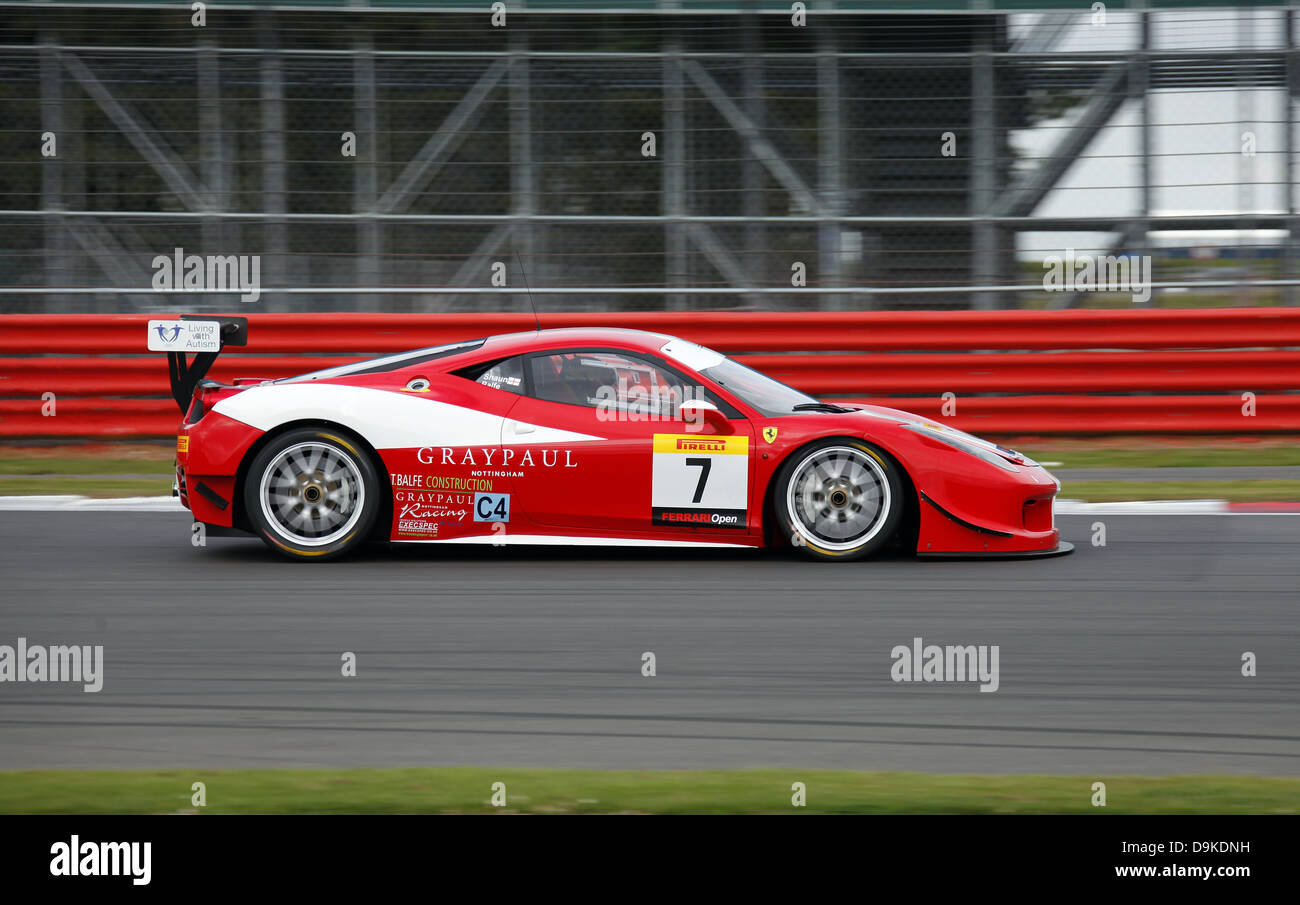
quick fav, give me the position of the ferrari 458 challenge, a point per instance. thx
(596, 437)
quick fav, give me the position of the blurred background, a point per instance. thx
(646, 154)
(856, 198)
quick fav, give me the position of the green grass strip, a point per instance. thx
(1170, 457)
(91, 487)
(468, 790)
(1232, 491)
(84, 465)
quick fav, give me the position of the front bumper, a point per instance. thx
(985, 511)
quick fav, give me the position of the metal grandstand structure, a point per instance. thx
(646, 154)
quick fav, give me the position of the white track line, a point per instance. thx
(83, 504)
(1142, 507)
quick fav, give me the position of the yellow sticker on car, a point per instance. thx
(707, 445)
(182, 443)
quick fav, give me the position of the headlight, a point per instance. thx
(956, 441)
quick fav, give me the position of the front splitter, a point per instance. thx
(1060, 549)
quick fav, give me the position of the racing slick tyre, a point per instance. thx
(312, 494)
(839, 499)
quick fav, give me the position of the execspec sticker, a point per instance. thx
(417, 526)
(491, 507)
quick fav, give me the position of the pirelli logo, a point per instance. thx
(690, 444)
(183, 443)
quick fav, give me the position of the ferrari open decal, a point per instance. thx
(699, 481)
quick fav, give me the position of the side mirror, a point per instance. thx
(700, 412)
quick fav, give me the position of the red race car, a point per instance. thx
(600, 437)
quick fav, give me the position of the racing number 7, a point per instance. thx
(704, 466)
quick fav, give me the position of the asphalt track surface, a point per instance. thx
(1119, 659)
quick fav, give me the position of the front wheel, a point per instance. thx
(312, 494)
(839, 499)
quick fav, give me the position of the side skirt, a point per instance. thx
(567, 541)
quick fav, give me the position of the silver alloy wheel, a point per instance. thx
(838, 497)
(312, 494)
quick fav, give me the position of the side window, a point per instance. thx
(611, 382)
(506, 375)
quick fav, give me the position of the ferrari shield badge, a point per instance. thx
(769, 434)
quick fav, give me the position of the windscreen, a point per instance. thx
(770, 397)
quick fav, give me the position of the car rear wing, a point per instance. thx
(203, 335)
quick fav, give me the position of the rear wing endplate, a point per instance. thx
(204, 336)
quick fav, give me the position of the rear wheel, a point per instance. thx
(839, 499)
(312, 494)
